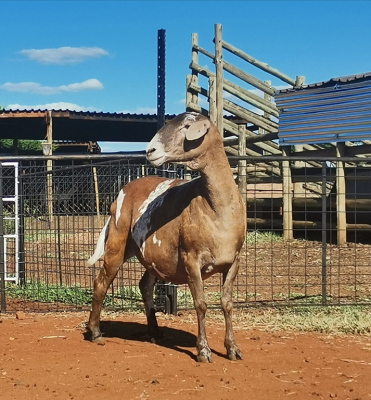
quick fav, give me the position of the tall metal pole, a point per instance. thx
(161, 78)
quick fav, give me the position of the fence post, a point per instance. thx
(242, 184)
(340, 196)
(324, 235)
(288, 233)
(22, 261)
(161, 78)
(2, 265)
(212, 99)
(219, 77)
(192, 97)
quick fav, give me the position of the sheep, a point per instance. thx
(181, 231)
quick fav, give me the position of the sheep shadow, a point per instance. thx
(173, 339)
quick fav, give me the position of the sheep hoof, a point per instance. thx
(235, 354)
(205, 356)
(98, 340)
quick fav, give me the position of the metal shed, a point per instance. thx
(337, 110)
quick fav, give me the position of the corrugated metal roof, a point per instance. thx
(330, 82)
(67, 113)
(337, 110)
(78, 125)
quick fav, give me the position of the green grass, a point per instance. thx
(257, 237)
(73, 295)
(330, 320)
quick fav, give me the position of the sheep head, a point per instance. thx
(184, 140)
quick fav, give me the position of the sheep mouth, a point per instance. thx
(157, 161)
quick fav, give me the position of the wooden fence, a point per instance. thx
(249, 123)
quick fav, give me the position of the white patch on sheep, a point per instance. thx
(120, 200)
(191, 116)
(156, 241)
(100, 248)
(160, 189)
(143, 223)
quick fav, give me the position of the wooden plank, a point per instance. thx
(263, 66)
(219, 77)
(198, 89)
(203, 51)
(250, 139)
(250, 98)
(249, 78)
(250, 116)
(29, 114)
(287, 197)
(195, 107)
(201, 70)
(232, 128)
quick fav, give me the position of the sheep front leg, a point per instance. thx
(146, 286)
(196, 286)
(233, 352)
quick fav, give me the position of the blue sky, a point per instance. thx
(102, 55)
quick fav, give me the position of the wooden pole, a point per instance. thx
(299, 190)
(212, 99)
(341, 196)
(219, 77)
(288, 233)
(242, 182)
(194, 77)
(267, 98)
(96, 188)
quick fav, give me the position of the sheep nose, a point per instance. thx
(150, 151)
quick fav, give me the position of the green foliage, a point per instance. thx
(256, 237)
(74, 295)
(25, 145)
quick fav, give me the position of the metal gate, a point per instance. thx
(9, 233)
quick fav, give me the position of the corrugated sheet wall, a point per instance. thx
(337, 113)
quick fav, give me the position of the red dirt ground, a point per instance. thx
(46, 357)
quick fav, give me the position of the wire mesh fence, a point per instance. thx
(61, 209)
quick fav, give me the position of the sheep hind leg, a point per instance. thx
(196, 286)
(105, 277)
(146, 286)
(233, 352)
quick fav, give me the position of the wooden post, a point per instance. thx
(96, 188)
(300, 81)
(242, 182)
(212, 99)
(341, 196)
(288, 233)
(194, 76)
(298, 186)
(219, 77)
(268, 98)
(49, 166)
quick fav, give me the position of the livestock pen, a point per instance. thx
(49, 234)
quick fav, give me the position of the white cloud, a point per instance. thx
(140, 110)
(64, 55)
(51, 106)
(37, 88)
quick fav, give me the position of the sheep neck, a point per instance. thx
(221, 190)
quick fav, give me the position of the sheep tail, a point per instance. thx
(101, 244)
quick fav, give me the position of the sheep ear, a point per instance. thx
(197, 129)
